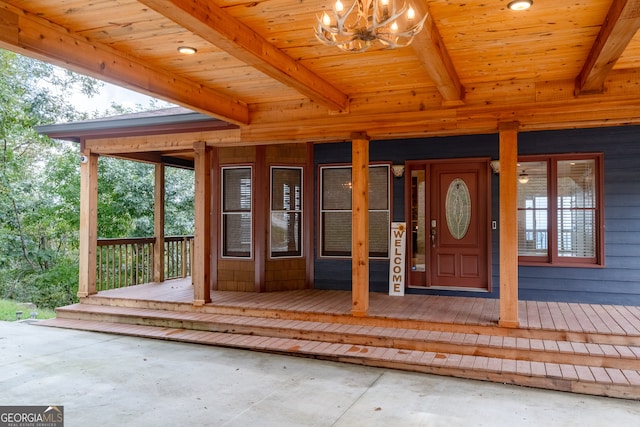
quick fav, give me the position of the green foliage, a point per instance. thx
(39, 183)
(126, 199)
(40, 187)
(179, 202)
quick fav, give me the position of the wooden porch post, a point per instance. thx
(508, 225)
(88, 223)
(202, 218)
(360, 224)
(158, 223)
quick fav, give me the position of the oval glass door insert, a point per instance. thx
(458, 208)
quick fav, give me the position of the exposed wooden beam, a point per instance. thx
(620, 25)
(36, 37)
(215, 25)
(432, 52)
(161, 143)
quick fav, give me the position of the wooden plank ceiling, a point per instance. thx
(476, 64)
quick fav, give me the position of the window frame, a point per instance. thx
(288, 254)
(224, 214)
(552, 258)
(321, 252)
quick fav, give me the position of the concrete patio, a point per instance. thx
(110, 380)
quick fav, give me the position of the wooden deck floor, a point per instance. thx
(583, 348)
(533, 315)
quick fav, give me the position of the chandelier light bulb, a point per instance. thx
(390, 24)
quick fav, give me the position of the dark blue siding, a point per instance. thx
(617, 283)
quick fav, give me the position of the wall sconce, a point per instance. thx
(495, 165)
(398, 170)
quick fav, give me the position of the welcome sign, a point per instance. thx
(397, 254)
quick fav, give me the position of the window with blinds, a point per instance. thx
(286, 212)
(559, 209)
(237, 222)
(335, 211)
(533, 211)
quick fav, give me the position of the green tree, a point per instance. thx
(179, 202)
(126, 199)
(40, 186)
(38, 237)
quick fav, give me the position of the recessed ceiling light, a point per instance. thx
(520, 4)
(186, 50)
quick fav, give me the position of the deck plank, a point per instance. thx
(545, 315)
(624, 319)
(533, 315)
(570, 318)
(559, 323)
(612, 325)
(582, 318)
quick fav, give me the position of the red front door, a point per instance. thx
(459, 225)
(453, 231)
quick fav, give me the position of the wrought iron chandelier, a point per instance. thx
(367, 21)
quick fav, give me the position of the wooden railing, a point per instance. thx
(128, 262)
(178, 253)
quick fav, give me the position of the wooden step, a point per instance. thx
(325, 313)
(472, 344)
(613, 382)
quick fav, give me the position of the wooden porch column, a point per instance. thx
(508, 225)
(201, 268)
(158, 223)
(88, 223)
(360, 224)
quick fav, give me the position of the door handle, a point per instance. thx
(433, 233)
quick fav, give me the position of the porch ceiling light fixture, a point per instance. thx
(390, 22)
(520, 4)
(187, 50)
(523, 178)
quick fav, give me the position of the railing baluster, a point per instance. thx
(150, 252)
(191, 255)
(174, 263)
(169, 260)
(183, 252)
(99, 270)
(117, 269)
(122, 264)
(109, 266)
